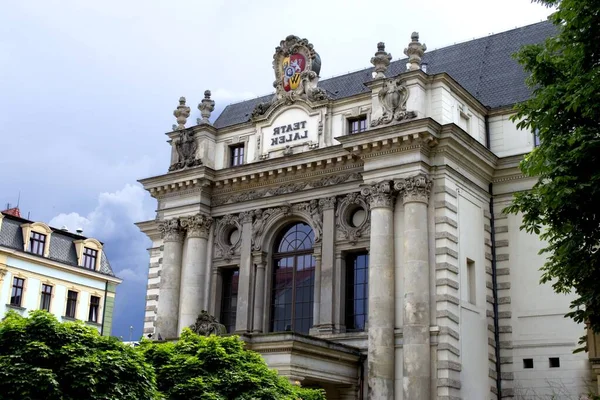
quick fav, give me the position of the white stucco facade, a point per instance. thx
(454, 301)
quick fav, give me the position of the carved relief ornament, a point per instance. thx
(185, 146)
(197, 225)
(392, 98)
(415, 188)
(347, 228)
(207, 325)
(170, 230)
(226, 244)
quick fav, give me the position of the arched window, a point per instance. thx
(293, 280)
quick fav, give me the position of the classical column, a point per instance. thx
(170, 279)
(416, 347)
(243, 319)
(317, 289)
(195, 271)
(381, 292)
(259, 292)
(326, 322)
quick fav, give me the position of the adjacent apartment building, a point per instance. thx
(351, 229)
(65, 273)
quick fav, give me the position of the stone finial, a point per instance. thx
(381, 61)
(181, 114)
(206, 107)
(415, 51)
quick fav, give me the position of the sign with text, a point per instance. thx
(293, 128)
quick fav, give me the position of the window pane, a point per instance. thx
(46, 297)
(229, 295)
(357, 290)
(94, 309)
(71, 304)
(17, 292)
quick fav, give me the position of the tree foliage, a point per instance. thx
(563, 206)
(217, 368)
(41, 358)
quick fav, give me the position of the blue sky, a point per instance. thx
(87, 91)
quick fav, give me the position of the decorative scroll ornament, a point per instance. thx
(310, 212)
(181, 113)
(197, 225)
(327, 203)
(226, 242)
(284, 189)
(207, 325)
(415, 188)
(186, 147)
(415, 51)
(347, 228)
(297, 66)
(170, 230)
(381, 61)
(206, 107)
(379, 195)
(393, 97)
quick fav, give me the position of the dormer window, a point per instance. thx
(357, 125)
(89, 258)
(37, 243)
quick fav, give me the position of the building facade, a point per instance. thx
(66, 274)
(351, 230)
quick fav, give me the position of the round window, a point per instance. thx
(234, 236)
(357, 217)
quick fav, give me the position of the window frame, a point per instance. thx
(228, 311)
(278, 256)
(68, 303)
(96, 306)
(17, 287)
(351, 271)
(358, 119)
(46, 295)
(39, 240)
(86, 257)
(236, 159)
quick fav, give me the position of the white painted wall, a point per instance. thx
(539, 329)
(473, 318)
(506, 139)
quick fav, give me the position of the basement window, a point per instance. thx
(554, 362)
(528, 363)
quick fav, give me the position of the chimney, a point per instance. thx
(14, 211)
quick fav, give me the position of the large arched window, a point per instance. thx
(293, 280)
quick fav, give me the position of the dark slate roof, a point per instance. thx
(62, 248)
(484, 67)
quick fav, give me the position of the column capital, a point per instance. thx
(327, 203)
(379, 195)
(414, 189)
(197, 226)
(246, 217)
(170, 230)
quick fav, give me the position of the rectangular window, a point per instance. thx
(89, 258)
(94, 308)
(536, 138)
(554, 362)
(472, 289)
(16, 296)
(528, 363)
(357, 125)
(37, 242)
(46, 297)
(71, 304)
(236, 155)
(229, 298)
(357, 291)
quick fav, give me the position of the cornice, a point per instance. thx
(465, 95)
(150, 228)
(177, 181)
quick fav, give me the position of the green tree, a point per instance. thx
(217, 368)
(41, 358)
(564, 204)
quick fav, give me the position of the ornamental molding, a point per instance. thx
(346, 207)
(310, 211)
(170, 230)
(327, 203)
(380, 195)
(392, 98)
(197, 226)
(225, 226)
(414, 189)
(285, 188)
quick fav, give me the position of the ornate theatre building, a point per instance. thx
(351, 229)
